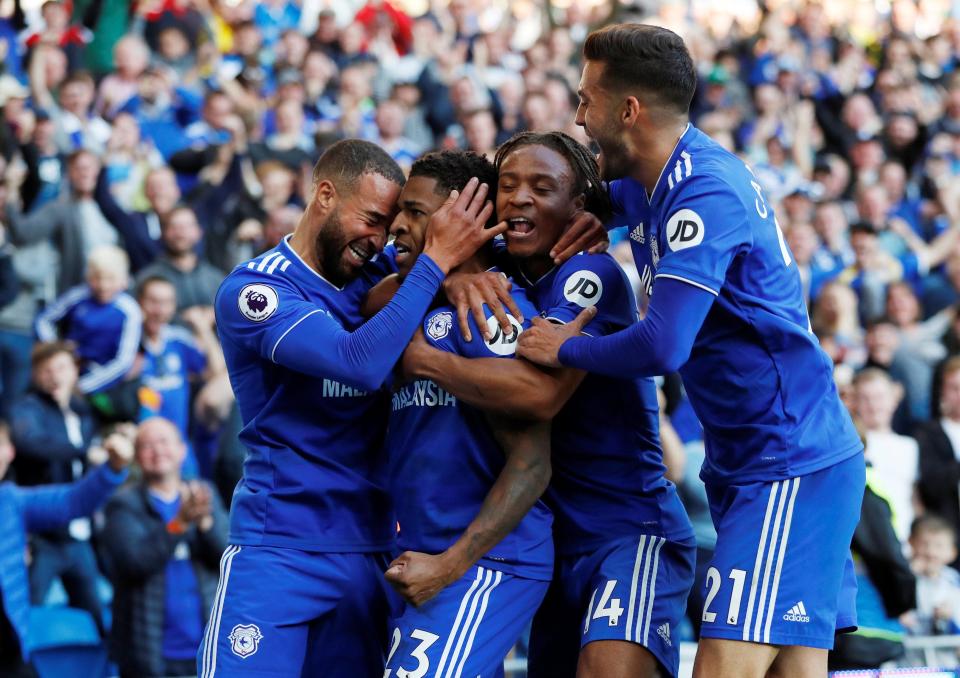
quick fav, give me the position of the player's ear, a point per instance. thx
(630, 111)
(325, 195)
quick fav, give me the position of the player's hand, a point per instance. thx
(119, 450)
(418, 577)
(417, 355)
(468, 292)
(585, 232)
(541, 343)
(458, 228)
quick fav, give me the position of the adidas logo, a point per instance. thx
(637, 234)
(797, 613)
(664, 632)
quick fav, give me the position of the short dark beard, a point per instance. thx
(329, 247)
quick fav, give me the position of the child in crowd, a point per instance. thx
(100, 318)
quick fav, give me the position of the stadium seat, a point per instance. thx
(64, 641)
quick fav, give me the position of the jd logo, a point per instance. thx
(685, 229)
(583, 288)
(503, 343)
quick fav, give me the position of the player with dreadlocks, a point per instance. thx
(624, 545)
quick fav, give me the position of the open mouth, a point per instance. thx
(403, 250)
(357, 254)
(520, 227)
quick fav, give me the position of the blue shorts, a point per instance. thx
(632, 589)
(465, 630)
(286, 612)
(782, 572)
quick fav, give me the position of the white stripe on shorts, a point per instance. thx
(653, 589)
(468, 623)
(216, 614)
(456, 622)
(759, 560)
(782, 555)
(483, 608)
(633, 586)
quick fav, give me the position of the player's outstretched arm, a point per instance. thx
(658, 344)
(304, 338)
(418, 577)
(512, 388)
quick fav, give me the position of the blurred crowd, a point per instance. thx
(148, 147)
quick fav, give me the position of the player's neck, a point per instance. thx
(536, 267)
(301, 243)
(652, 150)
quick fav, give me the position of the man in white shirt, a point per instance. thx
(894, 458)
(939, 442)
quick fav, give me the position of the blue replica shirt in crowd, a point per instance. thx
(106, 335)
(608, 473)
(167, 369)
(307, 377)
(182, 606)
(444, 458)
(757, 377)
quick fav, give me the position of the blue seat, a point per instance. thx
(64, 641)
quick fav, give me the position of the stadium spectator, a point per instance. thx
(886, 588)
(140, 230)
(100, 318)
(894, 458)
(73, 224)
(174, 360)
(52, 428)
(40, 509)
(933, 544)
(162, 543)
(939, 444)
(196, 280)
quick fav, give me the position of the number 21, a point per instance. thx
(713, 583)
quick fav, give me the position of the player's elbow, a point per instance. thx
(539, 405)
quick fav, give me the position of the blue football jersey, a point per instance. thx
(757, 377)
(608, 473)
(314, 477)
(168, 367)
(444, 458)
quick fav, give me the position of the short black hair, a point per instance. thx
(344, 162)
(453, 169)
(586, 171)
(647, 58)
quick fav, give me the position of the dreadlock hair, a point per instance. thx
(453, 169)
(586, 171)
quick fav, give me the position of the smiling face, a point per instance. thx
(418, 201)
(535, 196)
(355, 226)
(596, 114)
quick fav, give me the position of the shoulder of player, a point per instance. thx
(588, 280)
(602, 265)
(715, 179)
(244, 283)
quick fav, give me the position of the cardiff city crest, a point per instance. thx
(245, 639)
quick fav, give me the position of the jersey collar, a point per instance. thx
(300, 263)
(671, 161)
